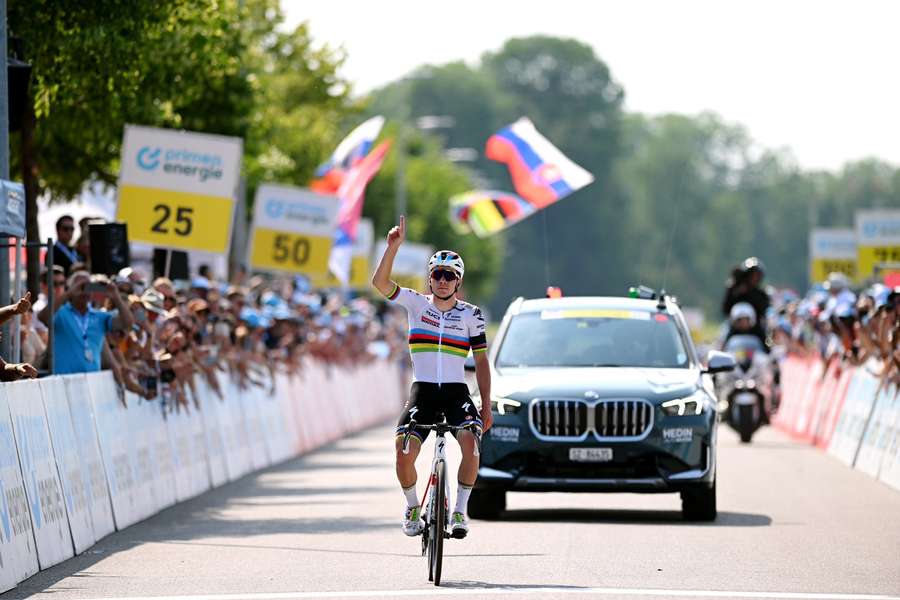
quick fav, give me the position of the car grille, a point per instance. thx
(622, 418)
(560, 418)
(607, 419)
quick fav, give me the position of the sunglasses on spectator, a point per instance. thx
(67, 228)
(439, 274)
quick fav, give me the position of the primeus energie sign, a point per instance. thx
(176, 188)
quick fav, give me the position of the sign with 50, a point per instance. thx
(293, 230)
(171, 182)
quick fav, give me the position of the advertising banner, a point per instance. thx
(177, 188)
(878, 242)
(115, 447)
(68, 462)
(410, 265)
(293, 230)
(360, 262)
(832, 250)
(81, 411)
(42, 488)
(213, 431)
(18, 555)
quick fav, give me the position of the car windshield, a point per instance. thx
(593, 338)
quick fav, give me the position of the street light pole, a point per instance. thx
(5, 346)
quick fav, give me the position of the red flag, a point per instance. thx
(352, 190)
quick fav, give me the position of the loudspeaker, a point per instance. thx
(178, 264)
(109, 247)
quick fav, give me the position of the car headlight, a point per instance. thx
(505, 406)
(694, 404)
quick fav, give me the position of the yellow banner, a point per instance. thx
(871, 257)
(821, 267)
(290, 252)
(175, 219)
(360, 276)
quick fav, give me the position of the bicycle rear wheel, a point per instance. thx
(438, 518)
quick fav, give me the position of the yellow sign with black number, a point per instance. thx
(177, 188)
(290, 252)
(293, 230)
(175, 219)
(873, 258)
(821, 267)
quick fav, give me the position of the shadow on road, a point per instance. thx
(208, 515)
(482, 585)
(633, 517)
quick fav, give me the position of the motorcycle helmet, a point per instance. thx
(447, 259)
(753, 264)
(742, 310)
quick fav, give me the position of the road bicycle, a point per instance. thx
(436, 513)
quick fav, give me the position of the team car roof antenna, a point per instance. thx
(661, 305)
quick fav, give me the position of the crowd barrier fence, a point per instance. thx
(845, 410)
(76, 464)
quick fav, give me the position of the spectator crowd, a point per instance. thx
(157, 336)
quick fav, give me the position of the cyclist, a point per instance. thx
(442, 329)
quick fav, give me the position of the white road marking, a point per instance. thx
(518, 591)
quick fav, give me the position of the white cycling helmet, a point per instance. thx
(743, 310)
(447, 259)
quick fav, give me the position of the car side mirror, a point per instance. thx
(719, 362)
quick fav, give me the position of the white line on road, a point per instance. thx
(517, 591)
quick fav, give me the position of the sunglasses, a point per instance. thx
(439, 274)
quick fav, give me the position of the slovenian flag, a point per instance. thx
(330, 174)
(485, 212)
(540, 173)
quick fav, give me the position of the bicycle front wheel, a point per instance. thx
(438, 519)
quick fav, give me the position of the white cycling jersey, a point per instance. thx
(439, 342)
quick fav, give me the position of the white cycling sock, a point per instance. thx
(462, 498)
(411, 498)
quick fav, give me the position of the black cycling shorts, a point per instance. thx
(427, 400)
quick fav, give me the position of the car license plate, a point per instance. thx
(590, 454)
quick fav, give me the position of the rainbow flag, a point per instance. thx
(485, 212)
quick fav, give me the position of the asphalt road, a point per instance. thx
(793, 523)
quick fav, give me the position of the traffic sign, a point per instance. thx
(293, 230)
(177, 188)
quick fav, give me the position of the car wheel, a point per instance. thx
(486, 504)
(699, 505)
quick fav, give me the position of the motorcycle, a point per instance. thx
(746, 393)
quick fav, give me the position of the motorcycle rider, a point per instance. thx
(745, 286)
(741, 321)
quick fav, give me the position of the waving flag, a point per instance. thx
(540, 172)
(352, 196)
(330, 174)
(486, 212)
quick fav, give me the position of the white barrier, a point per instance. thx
(890, 465)
(851, 425)
(18, 555)
(110, 418)
(874, 440)
(68, 462)
(42, 487)
(81, 411)
(93, 465)
(212, 432)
